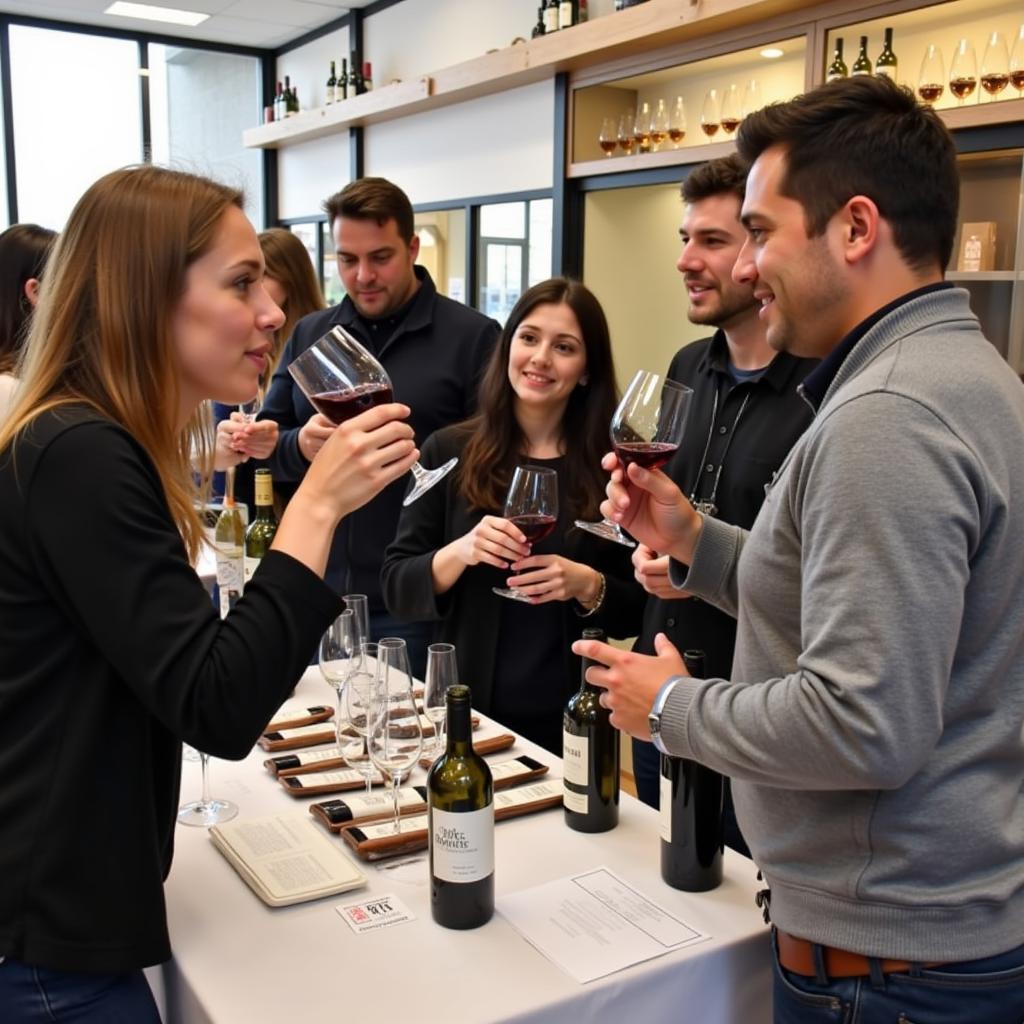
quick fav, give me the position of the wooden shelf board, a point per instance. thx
(981, 275)
(681, 157)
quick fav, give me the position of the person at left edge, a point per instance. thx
(433, 349)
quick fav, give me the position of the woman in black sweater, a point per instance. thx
(110, 651)
(546, 399)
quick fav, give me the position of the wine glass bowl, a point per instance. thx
(442, 672)
(995, 65)
(608, 137)
(731, 110)
(626, 142)
(642, 127)
(532, 506)
(337, 646)
(659, 125)
(677, 123)
(963, 72)
(358, 693)
(752, 99)
(342, 379)
(711, 114)
(1017, 62)
(931, 80)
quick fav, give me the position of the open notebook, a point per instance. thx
(286, 858)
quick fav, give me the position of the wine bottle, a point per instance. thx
(837, 69)
(355, 85)
(367, 76)
(691, 815)
(582, 14)
(590, 753)
(279, 102)
(538, 29)
(862, 65)
(342, 85)
(566, 13)
(460, 809)
(886, 64)
(260, 534)
(550, 16)
(229, 542)
(286, 99)
(332, 83)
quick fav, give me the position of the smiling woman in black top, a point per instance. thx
(547, 398)
(110, 651)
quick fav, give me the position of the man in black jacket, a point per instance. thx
(433, 349)
(745, 416)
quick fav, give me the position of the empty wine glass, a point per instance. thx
(394, 732)
(995, 65)
(342, 379)
(532, 506)
(677, 123)
(752, 100)
(626, 142)
(442, 672)
(358, 692)
(608, 139)
(731, 109)
(337, 646)
(963, 72)
(711, 114)
(659, 124)
(647, 429)
(642, 127)
(207, 810)
(931, 81)
(1017, 62)
(359, 606)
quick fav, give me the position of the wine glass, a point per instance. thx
(995, 65)
(207, 810)
(711, 115)
(394, 732)
(1017, 62)
(647, 429)
(359, 606)
(626, 141)
(442, 672)
(963, 72)
(677, 123)
(531, 505)
(659, 124)
(731, 109)
(931, 81)
(251, 409)
(359, 689)
(642, 127)
(337, 646)
(752, 99)
(608, 139)
(341, 379)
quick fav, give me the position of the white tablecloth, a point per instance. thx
(236, 960)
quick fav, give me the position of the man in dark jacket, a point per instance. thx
(432, 348)
(745, 416)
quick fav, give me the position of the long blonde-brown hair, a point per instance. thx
(101, 335)
(289, 264)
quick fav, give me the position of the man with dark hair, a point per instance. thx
(873, 723)
(433, 349)
(744, 417)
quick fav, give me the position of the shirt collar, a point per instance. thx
(776, 376)
(819, 380)
(415, 314)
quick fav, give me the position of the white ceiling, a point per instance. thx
(263, 23)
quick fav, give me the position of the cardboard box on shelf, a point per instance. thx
(977, 246)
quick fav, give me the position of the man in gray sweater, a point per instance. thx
(874, 721)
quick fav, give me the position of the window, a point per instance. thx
(442, 235)
(514, 251)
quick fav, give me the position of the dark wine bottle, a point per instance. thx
(355, 86)
(538, 29)
(862, 65)
(566, 14)
(460, 807)
(837, 69)
(332, 82)
(367, 76)
(260, 534)
(590, 754)
(550, 16)
(691, 815)
(342, 81)
(887, 63)
(279, 102)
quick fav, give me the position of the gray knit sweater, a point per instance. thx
(874, 724)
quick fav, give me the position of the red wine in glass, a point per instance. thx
(339, 406)
(648, 454)
(534, 527)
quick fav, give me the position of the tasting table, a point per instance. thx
(237, 960)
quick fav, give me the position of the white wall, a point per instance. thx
(493, 145)
(308, 173)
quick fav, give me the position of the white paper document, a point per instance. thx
(594, 924)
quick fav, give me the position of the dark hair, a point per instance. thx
(24, 249)
(726, 174)
(865, 136)
(374, 199)
(496, 442)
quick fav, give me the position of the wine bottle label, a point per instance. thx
(575, 755)
(565, 14)
(522, 795)
(576, 802)
(665, 808)
(250, 566)
(885, 71)
(462, 845)
(415, 823)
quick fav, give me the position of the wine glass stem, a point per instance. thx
(394, 795)
(369, 776)
(204, 760)
(418, 471)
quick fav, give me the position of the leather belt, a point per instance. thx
(797, 955)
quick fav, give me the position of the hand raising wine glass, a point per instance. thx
(647, 429)
(342, 379)
(532, 507)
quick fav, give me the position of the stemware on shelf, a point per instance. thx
(532, 506)
(931, 80)
(608, 138)
(995, 65)
(1017, 62)
(642, 127)
(626, 141)
(963, 72)
(732, 109)
(342, 379)
(752, 99)
(711, 114)
(659, 125)
(394, 732)
(442, 672)
(647, 428)
(677, 122)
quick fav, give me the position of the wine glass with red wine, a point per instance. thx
(532, 506)
(647, 429)
(342, 379)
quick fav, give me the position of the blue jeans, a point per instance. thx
(417, 635)
(34, 995)
(988, 991)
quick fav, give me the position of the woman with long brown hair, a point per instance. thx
(546, 399)
(110, 651)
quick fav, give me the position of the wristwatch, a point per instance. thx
(654, 718)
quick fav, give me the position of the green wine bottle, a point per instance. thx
(229, 542)
(460, 809)
(886, 64)
(590, 753)
(862, 65)
(332, 83)
(260, 534)
(837, 69)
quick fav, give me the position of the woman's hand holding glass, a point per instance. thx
(493, 541)
(543, 578)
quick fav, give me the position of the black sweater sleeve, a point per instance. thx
(108, 552)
